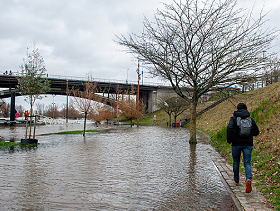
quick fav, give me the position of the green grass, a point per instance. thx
(77, 132)
(265, 163)
(7, 145)
(219, 141)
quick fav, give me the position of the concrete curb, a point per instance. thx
(253, 201)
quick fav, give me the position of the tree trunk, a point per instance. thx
(193, 123)
(170, 123)
(26, 131)
(31, 113)
(35, 121)
(84, 133)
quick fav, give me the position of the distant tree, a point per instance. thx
(173, 106)
(165, 103)
(179, 105)
(20, 109)
(52, 111)
(31, 80)
(40, 108)
(102, 112)
(272, 73)
(97, 114)
(247, 82)
(84, 100)
(201, 45)
(128, 108)
(109, 113)
(5, 109)
(73, 113)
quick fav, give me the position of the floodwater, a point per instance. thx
(145, 168)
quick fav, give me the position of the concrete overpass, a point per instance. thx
(147, 93)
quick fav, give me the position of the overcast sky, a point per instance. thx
(77, 37)
(74, 37)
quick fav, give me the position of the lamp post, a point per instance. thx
(53, 105)
(137, 103)
(127, 76)
(142, 77)
(67, 89)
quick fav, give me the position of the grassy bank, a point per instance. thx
(264, 106)
(162, 118)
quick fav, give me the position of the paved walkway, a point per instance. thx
(253, 201)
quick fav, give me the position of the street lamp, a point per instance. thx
(67, 90)
(53, 105)
(139, 76)
(127, 76)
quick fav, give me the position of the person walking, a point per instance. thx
(240, 132)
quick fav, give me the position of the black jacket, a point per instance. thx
(232, 135)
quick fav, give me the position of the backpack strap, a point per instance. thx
(238, 121)
(250, 122)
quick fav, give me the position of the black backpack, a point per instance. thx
(244, 125)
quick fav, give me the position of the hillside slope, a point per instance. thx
(264, 106)
(219, 116)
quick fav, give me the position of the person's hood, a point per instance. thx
(243, 113)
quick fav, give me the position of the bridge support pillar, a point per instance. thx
(13, 106)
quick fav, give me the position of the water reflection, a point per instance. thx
(146, 168)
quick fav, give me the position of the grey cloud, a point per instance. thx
(75, 37)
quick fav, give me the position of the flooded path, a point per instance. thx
(145, 168)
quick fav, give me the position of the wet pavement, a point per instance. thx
(145, 168)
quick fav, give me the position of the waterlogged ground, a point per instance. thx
(145, 168)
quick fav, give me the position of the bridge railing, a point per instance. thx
(79, 78)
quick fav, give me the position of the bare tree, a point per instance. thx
(128, 106)
(179, 105)
(272, 71)
(246, 81)
(84, 100)
(165, 104)
(128, 109)
(108, 113)
(72, 112)
(52, 111)
(20, 109)
(202, 45)
(5, 109)
(102, 112)
(173, 105)
(40, 108)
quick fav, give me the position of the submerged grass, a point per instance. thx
(13, 145)
(8, 145)
(77, 132)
